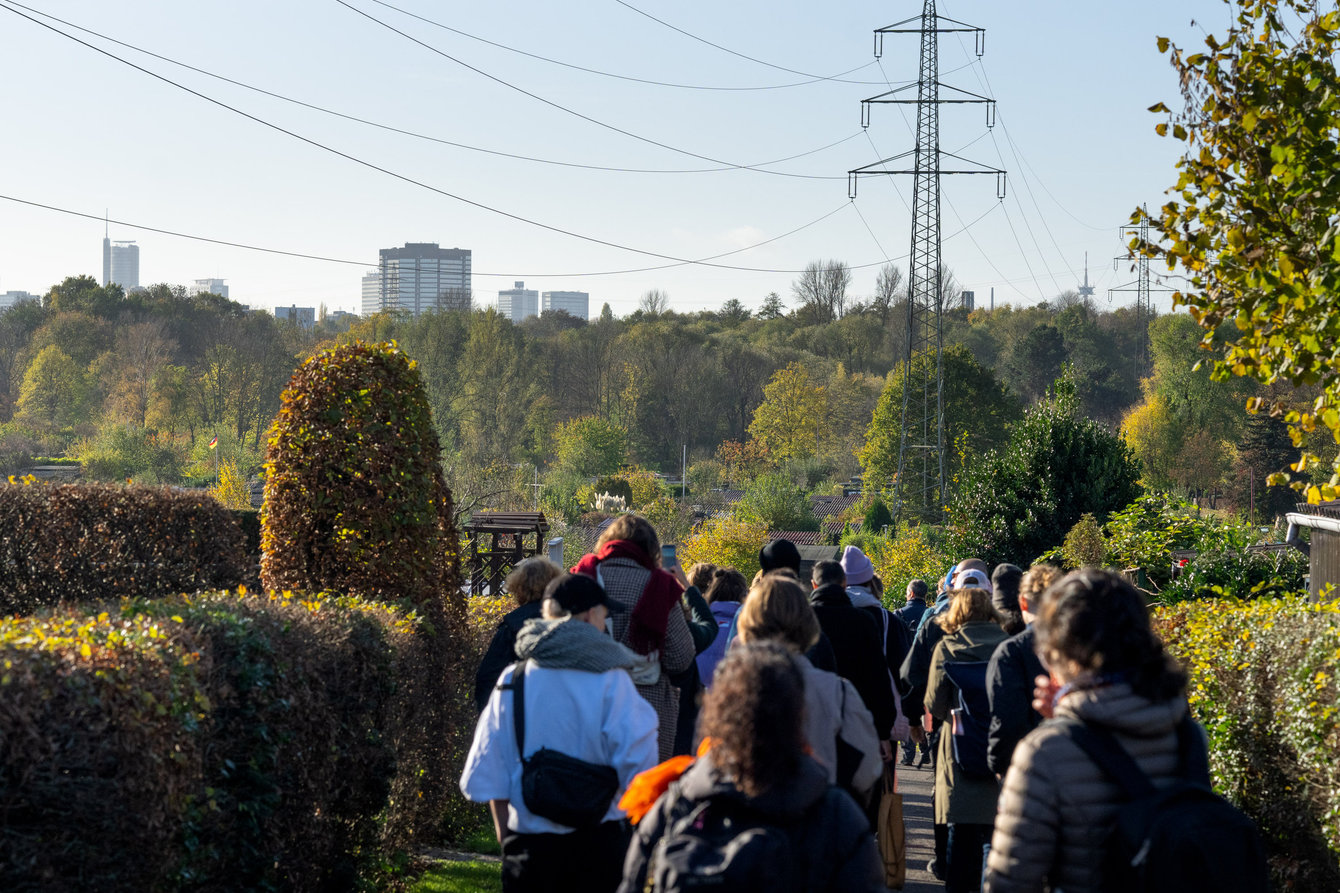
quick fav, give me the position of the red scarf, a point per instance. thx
(651, 615)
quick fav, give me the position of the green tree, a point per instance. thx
(775, 501)
(590, 446)
(1035, 361)
(787, 421)
(55, 390)
(1022, 500)
(977, 411)
(1250, 220)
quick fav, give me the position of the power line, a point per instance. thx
(814, 79)
(562, 108)
(433, 139)
(675, 261)
(805, 74)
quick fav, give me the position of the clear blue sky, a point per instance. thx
(87, 133)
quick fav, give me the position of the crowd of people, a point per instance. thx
(644, 727)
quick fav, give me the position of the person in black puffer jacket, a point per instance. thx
(757, 772)
(526, 584)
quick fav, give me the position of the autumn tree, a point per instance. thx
(139, 354)
(590, 446)
(1250, 221)
(55, 391)
(787, 421)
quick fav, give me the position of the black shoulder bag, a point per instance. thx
(556, 786)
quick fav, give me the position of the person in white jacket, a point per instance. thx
(578, 700)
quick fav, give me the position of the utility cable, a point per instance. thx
(623, 77)
(410, 133)
(562, 108)
(371, 166)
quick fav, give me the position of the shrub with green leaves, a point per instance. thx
(84, 542)
(354, 495)
(1263, 682)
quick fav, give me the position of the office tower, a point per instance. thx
(210, 287)
(121, 264)
(422, 278)
(10, 298)
(372, 293)
(576, 303)
(519, 302)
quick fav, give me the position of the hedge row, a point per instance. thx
(96, 542)
(1263, 683)
(218, 741)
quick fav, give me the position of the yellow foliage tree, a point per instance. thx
(232, 490)
(787, 421)
(726, 542)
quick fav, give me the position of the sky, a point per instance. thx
(667, 148)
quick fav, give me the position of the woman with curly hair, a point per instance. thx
(756, 777)
(1109, 670)
(964, 800)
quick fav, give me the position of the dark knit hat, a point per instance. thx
(576, 593)
(1005, 587)
(779, 554)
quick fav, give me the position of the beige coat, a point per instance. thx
(1057, 807)
(959, 798)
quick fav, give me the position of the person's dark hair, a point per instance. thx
(701, 575)
(1005, 596)
(918, 588)
(828, 571)
(728, 585)
(1098, 621)
(754, 714)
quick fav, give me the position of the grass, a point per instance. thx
(460, 877)
(481, 840)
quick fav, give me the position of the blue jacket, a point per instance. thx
(910, 614)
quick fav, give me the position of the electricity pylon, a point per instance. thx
(1142, 286)
(920, 483)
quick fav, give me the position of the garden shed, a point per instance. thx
(1323, 523)
(498, 541)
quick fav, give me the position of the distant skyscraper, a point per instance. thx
(421, 278)
(519, 302)
(120, 264)
(302, 317)
(10, 298)
(210, 287)
(577, 303)
(372, 293)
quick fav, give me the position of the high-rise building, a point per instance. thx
(422, 278)
(576, 303)
(372, 293)
(121, 264)
(210, 287)
(519, 302)
(10, 298)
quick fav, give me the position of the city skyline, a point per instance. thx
(1073, 132)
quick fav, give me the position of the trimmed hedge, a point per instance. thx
(1263, 683)
(213, 742)
(95, 542)
(355, 500)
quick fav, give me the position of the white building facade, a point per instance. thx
(421, 278)
(121, 264)
(518, 303)
(576, 303)
(210, 287)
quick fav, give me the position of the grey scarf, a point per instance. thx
(571, 645)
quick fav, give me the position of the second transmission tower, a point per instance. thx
(920, 482)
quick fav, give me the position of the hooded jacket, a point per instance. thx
(835, 849)
(1057, 807)
(854, 635)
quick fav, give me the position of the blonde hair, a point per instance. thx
(1035, 582)
(967, 606)
(778, 608)
(527, 580)
(636, 530)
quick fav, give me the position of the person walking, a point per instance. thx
(725, 593)
(570, 694)
(757, 777)
(965, 800)
(526, 585)
(627, 564)
(1107, 669)
(1010, 677)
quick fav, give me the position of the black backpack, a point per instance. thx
(717, 844)
(971, 718)
(1181, 838)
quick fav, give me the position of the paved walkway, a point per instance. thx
(916, 786)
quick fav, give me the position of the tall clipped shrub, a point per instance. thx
(355, 501)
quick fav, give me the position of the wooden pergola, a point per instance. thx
(499, 541)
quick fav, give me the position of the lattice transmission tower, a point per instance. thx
(920, 482)
(1138, 234)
